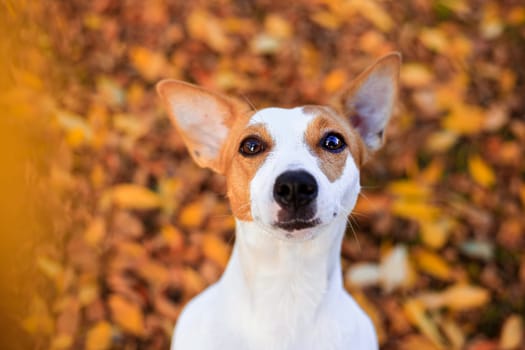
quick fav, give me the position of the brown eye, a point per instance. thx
(251, 146)
(333, 142)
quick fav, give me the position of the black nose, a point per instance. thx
(295, 189)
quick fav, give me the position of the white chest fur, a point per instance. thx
(277, 295)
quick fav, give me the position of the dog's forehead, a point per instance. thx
(283, 124)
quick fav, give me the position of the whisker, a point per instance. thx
(249, 102)
(349, 222)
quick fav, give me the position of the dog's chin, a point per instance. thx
(296, 224)
(296, 230)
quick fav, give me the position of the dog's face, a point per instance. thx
(288, 170)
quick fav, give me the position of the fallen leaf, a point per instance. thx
(435, 233)
(193, 215)
(512, 333)
(207, 28)
(415, 75)
(98, 337)
(480, 171)
(131, 196)
(432, 264)
(458, 297)
(216, 250)
(95, 231)
(334, 80)
(416, 314)
(363, 275)
(148, 63)
(126, 314)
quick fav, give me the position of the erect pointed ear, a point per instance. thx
(203, 119)
(370, 99)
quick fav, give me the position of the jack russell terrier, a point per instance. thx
(292, 180)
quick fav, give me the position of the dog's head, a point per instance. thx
(289, 170)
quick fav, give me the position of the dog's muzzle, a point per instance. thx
(295, 192)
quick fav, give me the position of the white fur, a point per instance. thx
(281, 290)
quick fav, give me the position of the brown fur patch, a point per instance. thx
(240, 170)
(327, 120)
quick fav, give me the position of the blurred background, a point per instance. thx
(108, 228)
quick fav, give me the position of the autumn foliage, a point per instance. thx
(109, 228)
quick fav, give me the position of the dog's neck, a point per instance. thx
(280, 283)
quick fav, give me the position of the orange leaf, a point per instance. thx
(99, 336)
(148, 63)
(216, 250)
(126, 314)
(334, 80)
(95, 231)
(193, 215)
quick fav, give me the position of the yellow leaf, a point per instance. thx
(153, 272)
(458, 297)
(49, 267)
(216, 250)
(512, 333)
(372, 11)
(131, 196)
(435, 233)
(454, 333)
(278, 27)
(409, 189)
(193, 282)
(173, 237)
(39, 320)
(415, 210)
(207, 28)
(464, 119)
(326, 19)
(148, 63)
(434, 39)
(87, 293)
(416, 314)
(441, 141)
(126, 314)
(481, 171)
(99, 336)
(95, 231)
(62, 341)
(415, 75)
(432, 264)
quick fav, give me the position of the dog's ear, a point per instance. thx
(369, 100)
(203, 119)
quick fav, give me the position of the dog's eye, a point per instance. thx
(251, 146)
(333, 142)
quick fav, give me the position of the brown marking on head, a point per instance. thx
(327, 120)
(241, 169)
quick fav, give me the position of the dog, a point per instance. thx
(292, 180)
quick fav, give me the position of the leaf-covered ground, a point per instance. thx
(120, 228)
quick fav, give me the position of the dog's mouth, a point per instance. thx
(297, 224)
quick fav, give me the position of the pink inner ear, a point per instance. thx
(356, 120)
